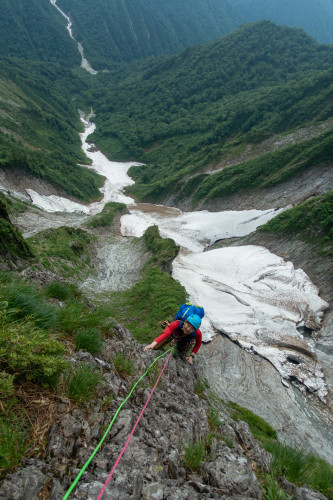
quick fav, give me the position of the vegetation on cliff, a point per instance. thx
(312, 221)
(12, 244)
(40, 124)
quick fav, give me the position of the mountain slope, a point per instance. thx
(115, 31)
(32, 29)
(190, 110)
(315, 16)
(39, 127)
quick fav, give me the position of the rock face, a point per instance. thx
(152, 467)
(251, 381)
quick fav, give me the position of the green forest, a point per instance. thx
(176, 114)
(136, 29)
(40, 124)
(314, 16)
(34, 30)
(188, 111)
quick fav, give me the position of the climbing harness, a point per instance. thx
(132, 432)
(111, 423)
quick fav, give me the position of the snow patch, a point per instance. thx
(258, 300)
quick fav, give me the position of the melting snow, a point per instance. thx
(250, 294)
(258, 300)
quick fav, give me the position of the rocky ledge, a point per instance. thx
(153, 466)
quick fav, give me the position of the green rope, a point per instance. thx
(108, 429)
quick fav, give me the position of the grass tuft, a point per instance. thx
(123, 364)
(61, 291)
(83, 383)
(13, 444)
(89, 340)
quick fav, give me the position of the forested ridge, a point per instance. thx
(188, 111)
(131, 29)
(40, 124)
(314, 16)
(34, 30)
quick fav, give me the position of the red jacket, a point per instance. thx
(172, 327)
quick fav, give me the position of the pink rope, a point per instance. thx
(132, 432)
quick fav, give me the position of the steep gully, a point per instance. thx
(253, 299)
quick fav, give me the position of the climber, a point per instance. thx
(185, 334)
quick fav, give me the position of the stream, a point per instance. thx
(252, 299)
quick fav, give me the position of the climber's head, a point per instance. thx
(192, 323)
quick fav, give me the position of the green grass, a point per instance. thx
(64, 250)
(13, 205)
(12, 244)
(268, 169)
(123, 364)
(13, 444)
(272, 490)
(300, 467)
(89, 339)
(61, 291)
(295, 464)
(195, 454)
(214, 419)
(200, 388)
(25, 301)
(164, 250)
(157, 296)
(259, 427)
(83, 383)
(29, 352)
(77, 315)
(312, 221)
(107, 216)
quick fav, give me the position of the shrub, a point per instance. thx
(123, 364)
(6, 384)
(83, 382)
(90, 340)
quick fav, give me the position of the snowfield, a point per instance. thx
(249, 294)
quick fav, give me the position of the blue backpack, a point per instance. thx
(185, 311)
